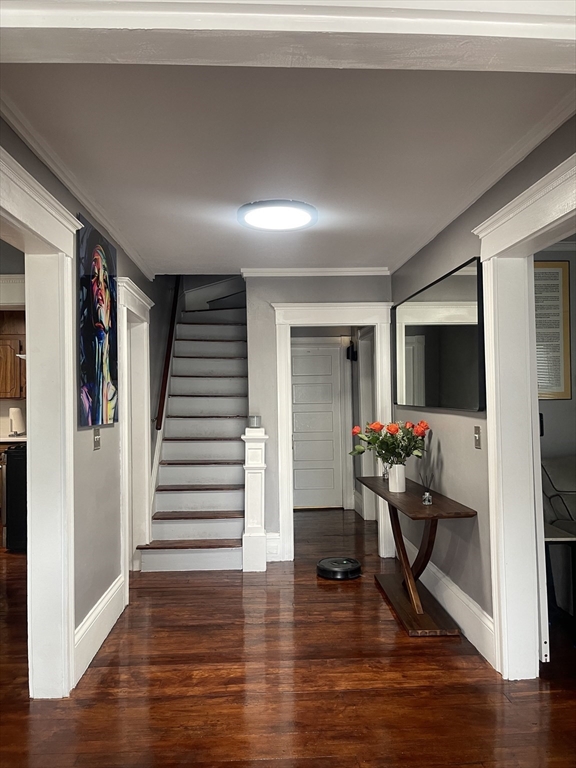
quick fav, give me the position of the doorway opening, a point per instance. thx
(353, 315)
(555, 319)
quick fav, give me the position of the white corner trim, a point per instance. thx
(39, 146)
(273, 547)
(314, 272)
(473, 620)
(12, 170)
(133, 298)
(359, 503)
(96, 626)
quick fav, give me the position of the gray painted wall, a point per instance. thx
(97, 473)
(560, 415)
(261, 292)
(463, 548)
(11, 260)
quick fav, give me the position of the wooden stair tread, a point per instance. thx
(197, 514)
(193, 544)
(215, 395)
(205, 357)
(201, 439)
(214, 322)
(200, 462)
(205, 416)
(205, 376)
(211, 309)
(192, 487)
(217, 341)
(228, 295)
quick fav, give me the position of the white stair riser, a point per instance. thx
(188, 501)
(192, 560)
(215, 316)
(235, 387)
(207, 406)
(235, 300)
(163, 530)
(205, 427)
(182, 366)
(210, 348)
(203, 450)
(201, 475)
(216, 332)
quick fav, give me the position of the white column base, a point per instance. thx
(254, 552)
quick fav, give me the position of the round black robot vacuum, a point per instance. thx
(339, 568)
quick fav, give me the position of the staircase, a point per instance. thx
(199, 505)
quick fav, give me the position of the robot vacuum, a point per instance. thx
(339, 568)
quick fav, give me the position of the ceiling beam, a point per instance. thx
(490, 35)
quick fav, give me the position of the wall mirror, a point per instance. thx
(439, 349)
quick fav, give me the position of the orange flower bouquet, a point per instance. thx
(393, 443)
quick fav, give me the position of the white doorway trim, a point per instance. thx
(36, 223)
(376, 314)
(135, 421)
(346, 440)
(541, 216)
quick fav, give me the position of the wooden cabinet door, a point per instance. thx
(10, 386)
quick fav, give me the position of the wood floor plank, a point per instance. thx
(277, 670)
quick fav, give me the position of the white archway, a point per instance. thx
(542, 215)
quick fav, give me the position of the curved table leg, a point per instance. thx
(426, 547)
(404, 562)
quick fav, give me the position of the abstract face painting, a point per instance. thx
(98, 403)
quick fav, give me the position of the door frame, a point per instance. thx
(135, 422)
(346, 441)
(367, 501)
(36, 223)
(539, 217)
(376, 314)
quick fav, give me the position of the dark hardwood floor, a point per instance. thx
(277, 670)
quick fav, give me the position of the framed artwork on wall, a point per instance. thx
(552, 298)
(98, 343)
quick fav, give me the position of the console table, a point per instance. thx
(416, 609)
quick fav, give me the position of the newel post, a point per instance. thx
(254, 537)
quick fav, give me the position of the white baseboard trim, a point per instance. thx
(94, 629)
(359, 503)
(473, 620)
(273, 547)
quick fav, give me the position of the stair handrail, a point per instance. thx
(168, 355)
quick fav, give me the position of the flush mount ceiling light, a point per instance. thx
(277, 215)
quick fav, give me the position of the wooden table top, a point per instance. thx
(410, 502)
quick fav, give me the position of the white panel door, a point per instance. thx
(316, 426)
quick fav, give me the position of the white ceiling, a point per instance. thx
(168, 153)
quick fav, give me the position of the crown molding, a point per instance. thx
(44, 152)
(562, 174)
(565, 108)
(315, 272)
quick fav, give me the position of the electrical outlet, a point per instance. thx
(477, 438)
(96, 439)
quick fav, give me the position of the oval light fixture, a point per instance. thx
(277, 215)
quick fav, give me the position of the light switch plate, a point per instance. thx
(96, 439)
(477, 438)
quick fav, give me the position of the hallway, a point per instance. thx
(277, 670)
